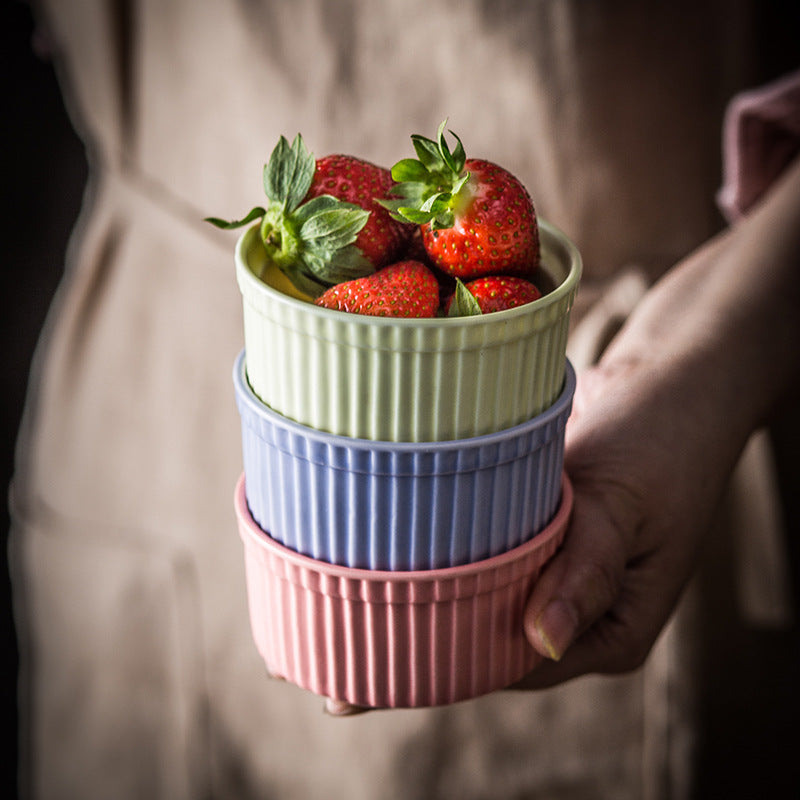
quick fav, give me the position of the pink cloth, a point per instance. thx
(761, 135)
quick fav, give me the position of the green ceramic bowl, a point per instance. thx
(407, 380)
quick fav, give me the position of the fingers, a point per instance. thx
(622, 638)
(547, 674)
(582, 582)
(588, 655)
(341, 708)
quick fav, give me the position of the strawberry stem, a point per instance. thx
(311, 241)
(431, 187)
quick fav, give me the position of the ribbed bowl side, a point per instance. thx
(407, 380)
(385, 640)
(391, 506)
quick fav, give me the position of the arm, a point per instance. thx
(656, 431)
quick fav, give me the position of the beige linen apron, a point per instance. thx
(140, 676)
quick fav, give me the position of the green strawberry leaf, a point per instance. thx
(459, 155)
(414, 215)
(444, 150)
(464, 303)
(427, 188)
(328, 223)
(410, 191)
(314, 273)
(393, 206)
(409, 169)
(459, 184)
(443, 221)
(346, 264)
(437, 203)
(427, 152)
(254, 214)
(454, 161)
(316, 205)
(288, 173)
(304, 280)
(312, 242)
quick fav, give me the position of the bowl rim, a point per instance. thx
(248, 279)
(249, 528)
(245, 394)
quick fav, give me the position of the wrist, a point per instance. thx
(729, 314)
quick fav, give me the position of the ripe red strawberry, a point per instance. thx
(491, 293)
(321, 225)
(477, 218)
(404, 289)
(382, 239)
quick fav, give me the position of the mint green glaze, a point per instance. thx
(412, 380)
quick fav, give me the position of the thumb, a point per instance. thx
(582, 582)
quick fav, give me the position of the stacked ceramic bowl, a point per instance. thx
(403, 486)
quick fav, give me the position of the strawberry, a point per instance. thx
(490, 293)
(321, 225)
(415, 249)
(476, 217)
(404, 289)
(382, 239)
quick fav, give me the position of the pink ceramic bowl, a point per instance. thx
(393, 639)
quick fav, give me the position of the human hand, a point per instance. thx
(648, 462)
(656, 431)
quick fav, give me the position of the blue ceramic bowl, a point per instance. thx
(400, 506)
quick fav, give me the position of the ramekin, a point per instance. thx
(400, 505)
(407, 380)
(393, 639)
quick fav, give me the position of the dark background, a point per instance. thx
(44, 172)
(43, 175)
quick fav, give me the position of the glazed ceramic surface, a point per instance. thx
(400, 506)
(393, 639)
(407, 380)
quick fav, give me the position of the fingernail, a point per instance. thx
(556, 626)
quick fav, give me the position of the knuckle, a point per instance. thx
(600, 584)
